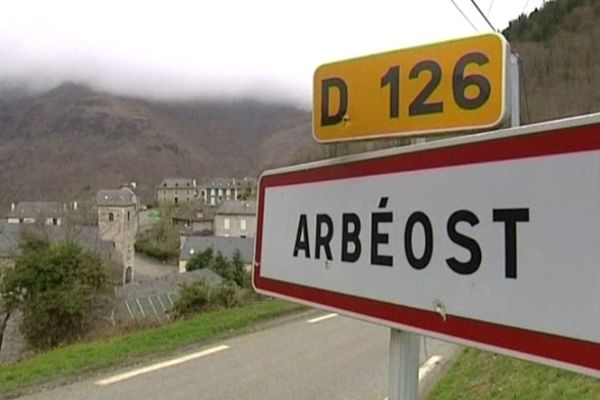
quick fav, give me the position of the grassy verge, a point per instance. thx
(482, 375)
(77, 358)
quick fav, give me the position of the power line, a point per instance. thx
(490, 7)
(464, 15)
(525, 6)
(483, 15)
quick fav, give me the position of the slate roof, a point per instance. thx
(237, 207)
(35, 209)
(116, 197)
(87, 237)
(169, 283)
(226, 245)
(196, 214)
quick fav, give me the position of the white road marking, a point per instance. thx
(427, 367)
(322, 318)
(165, 364)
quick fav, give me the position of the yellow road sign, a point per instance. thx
(442, 87)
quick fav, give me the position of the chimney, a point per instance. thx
(12, 206)
(75, 205)
(134, 185)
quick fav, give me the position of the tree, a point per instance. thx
(221, 266)
(55, 285)
(231, 271)
(204, 259)
(161, 241)
(242, 278)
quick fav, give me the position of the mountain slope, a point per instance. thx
(559, 47)
(67, 143)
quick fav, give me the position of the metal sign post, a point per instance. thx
(403, 378)
(515, 100)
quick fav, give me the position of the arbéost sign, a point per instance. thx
(452, 86)
(489, 241)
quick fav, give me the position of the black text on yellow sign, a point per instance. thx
(444, 87)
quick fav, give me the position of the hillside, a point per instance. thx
(559, 47)
(69, 142)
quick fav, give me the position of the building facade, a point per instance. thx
(38, 212)
(235, 218)
(196, 221)
(176, 191)
(215, 191)
(117, 222)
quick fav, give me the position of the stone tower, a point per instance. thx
(118, 222)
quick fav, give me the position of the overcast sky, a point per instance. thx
(180, 49)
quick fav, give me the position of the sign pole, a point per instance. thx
(403, 383)
(515, 99)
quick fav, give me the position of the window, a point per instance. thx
(243, 224)
(111, 217)
(128, 215)
(226, 223)
(54, 221)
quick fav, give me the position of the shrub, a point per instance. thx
(199, 296)
(55, 285)
(200, 260)
(229, 295)
(193, 298)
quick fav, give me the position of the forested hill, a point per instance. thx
(559, 47)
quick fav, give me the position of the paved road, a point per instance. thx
(147, 269)
(335, 358)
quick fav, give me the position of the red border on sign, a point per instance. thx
(563, 350)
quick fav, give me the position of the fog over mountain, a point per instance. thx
(224, 49)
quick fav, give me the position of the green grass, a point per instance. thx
(482, 375)
(82, 357)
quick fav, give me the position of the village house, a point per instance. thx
(38, 212)
(227, 246)
(195, 220)
(235, 218)
(176, 191)
(217, 190)
(118, 222)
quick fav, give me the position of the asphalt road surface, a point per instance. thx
(332, 357)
